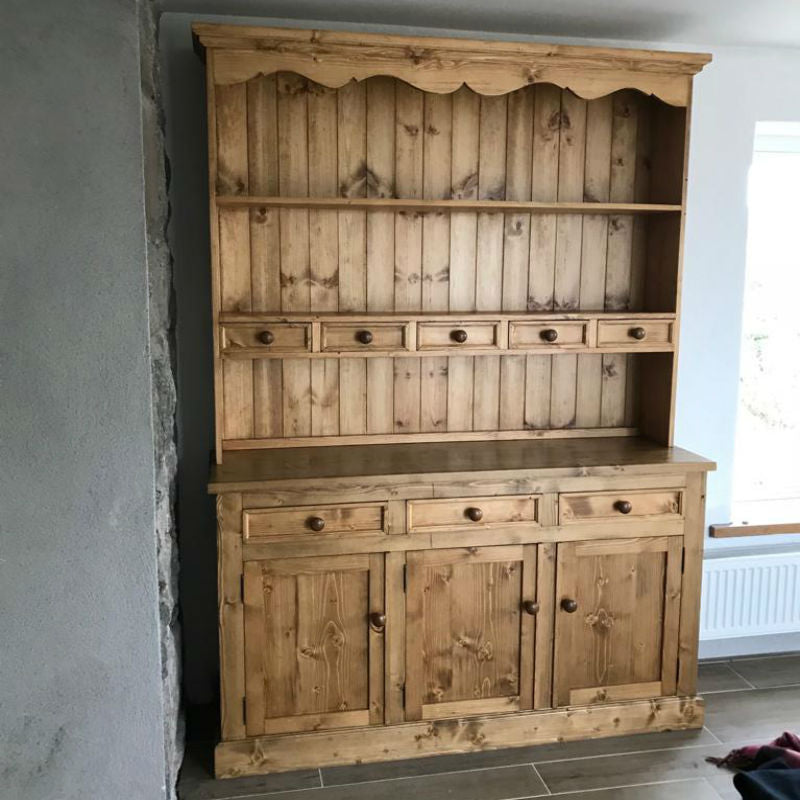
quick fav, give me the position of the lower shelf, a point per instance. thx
(281, 753)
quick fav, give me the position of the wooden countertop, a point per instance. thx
(257, 469)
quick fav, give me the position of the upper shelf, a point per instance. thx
(333, 58)
(420, 205)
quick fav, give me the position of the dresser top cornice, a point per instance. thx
(602, 456)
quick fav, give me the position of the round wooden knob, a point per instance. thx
(365, 337)
(459, 336)
(569, 605)
(530, 607)
(475, 514)
(623, 506)
(266, 337)
(378, 620)
(316, 523)
(549, 335)
(638, 333)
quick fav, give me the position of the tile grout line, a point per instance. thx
(706, 728)
(321, 781)
(539, 776)
(735, 672)
(628, 786)
(624, 753)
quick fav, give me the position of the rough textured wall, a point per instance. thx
(162, 362)
(81, 710)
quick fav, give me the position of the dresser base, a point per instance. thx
(285, 752)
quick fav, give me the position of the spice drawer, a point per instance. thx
(466, 335)
(266, 337)
(266, 524)
(637, 334)
(354, 338)
(650, 504)
(548, 335)
(431, 515)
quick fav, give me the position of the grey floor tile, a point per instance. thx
(755, 716)
(769, 671)
(583, 774)
(719, 677)
(685, 790)
(197, 780)
(518, 755)
(501, 783)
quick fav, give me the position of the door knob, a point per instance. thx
(365, 337)
(459, 336)
(475, 514)
(530, 607)
(316, 523)
(623, 506)
(549, 335)
(378, 620)
(569, 605)
(266, 337)
(638, 333)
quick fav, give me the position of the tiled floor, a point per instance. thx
(747, 700)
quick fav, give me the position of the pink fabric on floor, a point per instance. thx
(786, 747)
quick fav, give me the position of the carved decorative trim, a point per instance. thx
(333, 58)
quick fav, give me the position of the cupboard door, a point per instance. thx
(617, 608)
(470, 627)
(314, 632)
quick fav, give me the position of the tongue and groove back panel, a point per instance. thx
(282, 135)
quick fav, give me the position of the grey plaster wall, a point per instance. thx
(81, 710)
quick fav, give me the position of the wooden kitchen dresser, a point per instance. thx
(446, 281)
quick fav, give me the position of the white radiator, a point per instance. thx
(750, 596)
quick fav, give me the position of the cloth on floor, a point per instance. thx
(768, 772)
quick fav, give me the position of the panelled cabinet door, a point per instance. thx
(469, 637)
(314, 633)
(617, 610)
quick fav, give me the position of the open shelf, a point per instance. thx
(420, 205)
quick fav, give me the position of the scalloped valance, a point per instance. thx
(442, 65)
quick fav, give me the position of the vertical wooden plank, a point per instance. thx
(380, 242)
(542, 260)
(512, 393)
(527, 644)
(231, 615)
(352, 396)
(262, 147)
(262, 143)
(463, 225)
(322, 182)
(395, 637)
(463, 256)
(352, 155)
(489, 248)
(255, 617)
(566, 569)
(433, 394)
(324, 396)
(612, 400)
(672, 606)
(641, 194)
(694, 533)
(408, 247)
(596, 187)
(296, 397)
(415, 574)
(569, 230)
(545, 588)
(377, 639)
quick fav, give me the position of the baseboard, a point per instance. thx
(284, 752)
(750, 646)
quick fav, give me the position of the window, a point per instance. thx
(767, 461)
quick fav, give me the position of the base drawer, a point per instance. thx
(478, 512)
(651, 504)
(270, 523)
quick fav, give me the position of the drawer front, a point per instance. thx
(466, 335)
(651, 504)
(346, 519)
(636, 333)
(428, 515)
(548, 335)
(348, 338)
(267, 337)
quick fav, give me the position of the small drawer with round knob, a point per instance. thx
(346, 519)
(542, 336)
(363, 337)
(264, 339)
(473, 512)
(635, 334)
(620, 506)
(441, 335)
